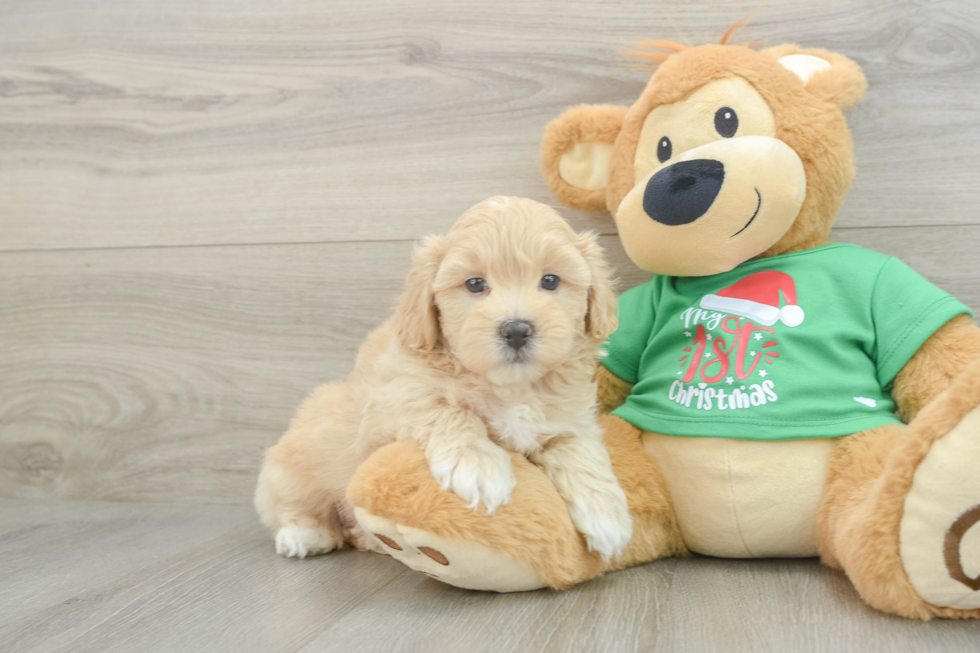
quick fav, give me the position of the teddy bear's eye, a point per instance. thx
(726, 122)
(664, 149)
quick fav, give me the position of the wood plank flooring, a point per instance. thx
(160, 374)
(136, 123)
(89, 576)
(205, 205)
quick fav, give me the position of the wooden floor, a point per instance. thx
(85, 576)
(205, 206)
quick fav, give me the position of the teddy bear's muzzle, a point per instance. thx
(712, 207)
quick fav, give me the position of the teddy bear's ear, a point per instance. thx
(830, 76)
(576, 151)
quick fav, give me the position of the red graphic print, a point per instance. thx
(757, 297)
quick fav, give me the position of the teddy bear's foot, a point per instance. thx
(528, 542)
(463, 564)
(940, 528)
(901, 511)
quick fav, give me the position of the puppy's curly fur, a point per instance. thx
(441, 371)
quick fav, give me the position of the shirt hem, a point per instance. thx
(764, 431)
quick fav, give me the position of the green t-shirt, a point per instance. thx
(803, 345)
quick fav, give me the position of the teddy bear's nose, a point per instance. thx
(683, 192)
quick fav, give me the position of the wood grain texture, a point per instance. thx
(142, 577)
(160, 374)
(251, 121)
(205, 206)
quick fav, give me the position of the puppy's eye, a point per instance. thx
(550, 281)
(476, 285)
(664, 149)
(726, 122)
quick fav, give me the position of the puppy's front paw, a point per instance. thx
(476, 471)
(604, 519)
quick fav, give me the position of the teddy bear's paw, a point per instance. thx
(296, 542)
(464, 564)
(940, 530)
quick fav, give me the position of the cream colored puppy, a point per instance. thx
(493, 344)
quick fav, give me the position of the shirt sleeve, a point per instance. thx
(906, 310)
(622, 350)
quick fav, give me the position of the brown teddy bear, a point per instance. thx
(754, 383)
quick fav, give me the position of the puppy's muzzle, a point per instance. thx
(683, 192)
(516, 333)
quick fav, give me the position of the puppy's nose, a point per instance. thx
(516, 333)
(683, 192)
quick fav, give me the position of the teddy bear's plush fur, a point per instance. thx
(894, 505)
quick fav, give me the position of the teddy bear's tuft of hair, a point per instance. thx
(657, 51)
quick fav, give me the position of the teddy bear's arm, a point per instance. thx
(930, 371)
(612, 390)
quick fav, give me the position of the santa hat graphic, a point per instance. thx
(757, 298)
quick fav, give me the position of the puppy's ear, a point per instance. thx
(416, 317)
(830, 76)
(576, 151)
(600, 320)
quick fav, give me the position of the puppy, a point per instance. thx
(493, 344)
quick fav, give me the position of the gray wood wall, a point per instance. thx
(205, 206)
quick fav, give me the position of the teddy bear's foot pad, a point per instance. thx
(940, 531)
(463, 564)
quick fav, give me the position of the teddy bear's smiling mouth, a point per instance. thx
(757, 206)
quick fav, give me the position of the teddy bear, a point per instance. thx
(769, 392)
